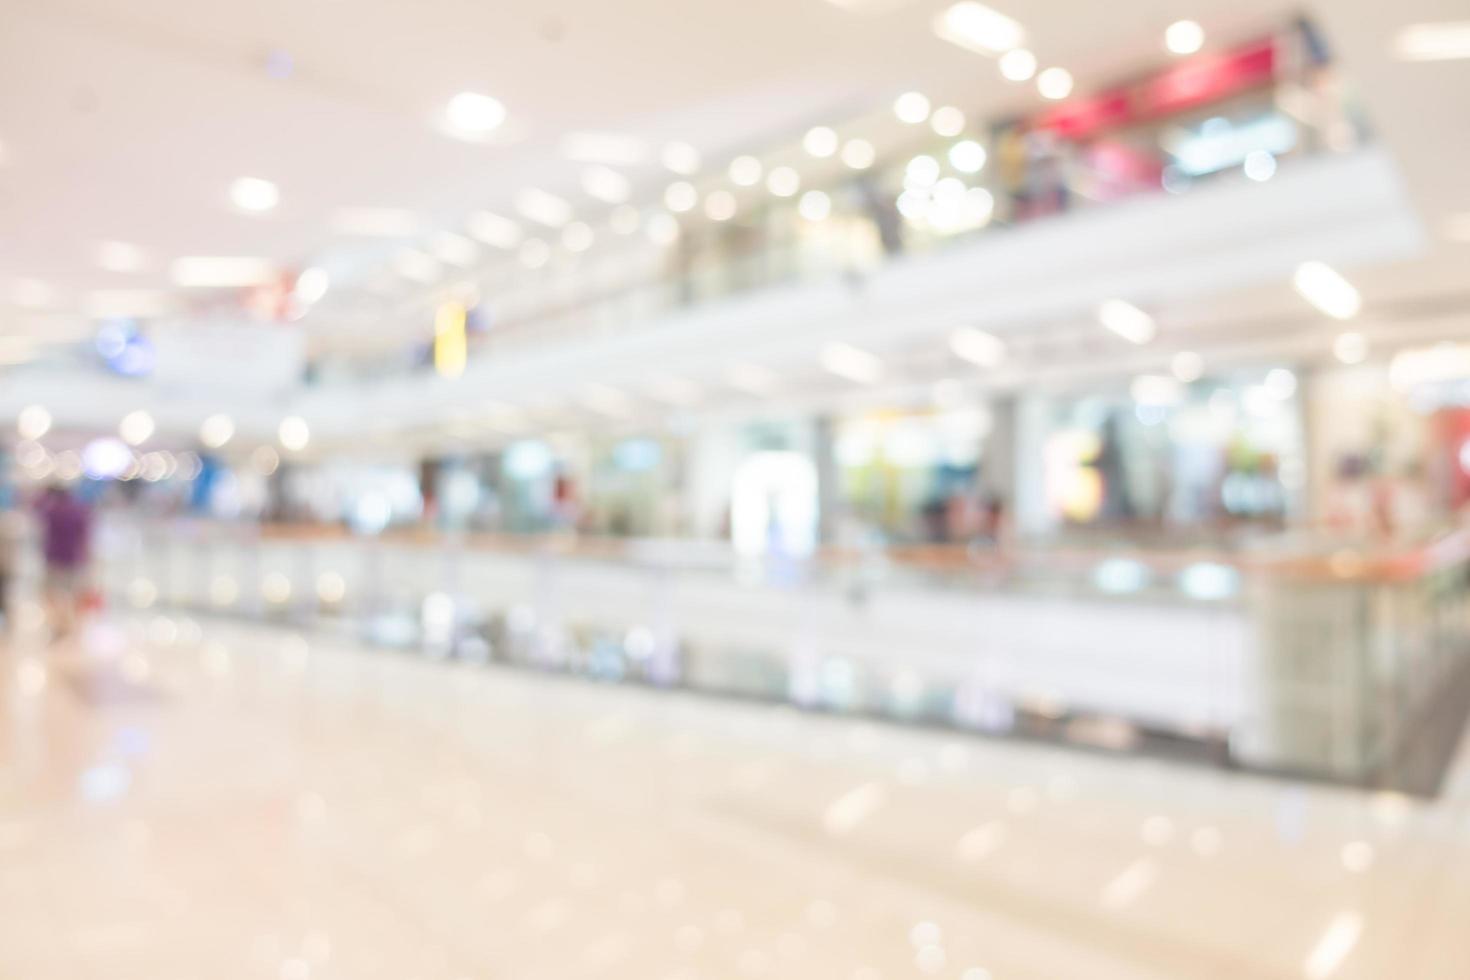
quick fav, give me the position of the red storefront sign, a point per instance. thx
(1198, 81)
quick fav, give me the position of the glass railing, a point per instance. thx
(1329, 662)
(1244, 114)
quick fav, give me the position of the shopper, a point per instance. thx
(66, 529)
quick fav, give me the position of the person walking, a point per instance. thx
(66, 530)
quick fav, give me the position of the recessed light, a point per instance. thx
(1127, 321)
(32, 294)
(534, 253)
(911, 107)
(967, 156)
(858, 154)
(1259, 165)
(1350, 348)
(452, 249)
(852, 363)
(216, 431)
(947, 121)
(783, 182)
(978, 347)
(1184, 37)
(624, 219)
(210, 272)
(1054, 83)
(1325, 288)
(814, 206)
(293, 433)
(978, 28)
(680, 157)
(681, 196)
(606, 184)
(577, 237)
(1445, 41)
(543, 208)
(417, 266)
(136, 427)
(254, 194)
(1187, 366)
(612, 149)
(120, 257)
(662, 228)
(1018, 65)
(377, 222)
(745, 171)
(720, 205)
(33, 422)
(494, 230)
(474, 115)
(820, 141)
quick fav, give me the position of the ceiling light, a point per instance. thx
(911, 107)
(613, 149)
(1127, 321)
(814, 206)
(417, 266)
(680, 157)
(606, 184)
(1445, 41)
(494, 230)
(745, 171)
(858, 154)
(720, 205)
(977, 28)
(1187, 366)
(852, 363)
(543, 208)
(474, 116)
(254, 194)
(32, 293)
(136, 427)
(820, 141)
(922, 171)
(681, 196)
(624, 219)
(33, 422)
(947, 121)
(1184, 37)
(120, 257)
(752, 379)
(662, 228)
(452, 249)
(1018, 65)
(1054, 83)
(293, 433)
(978, 347)
(534, 253)
(144, 303)
(1259, 165)
(967, 156)
(312, 284)
(1350, 348)
(216, 430)
(377, 222)
(606, 400)
(1323, 287)
(783, 182)
(674, 391)
(198, 272)
(577, 237)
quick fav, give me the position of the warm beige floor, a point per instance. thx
(187, 802)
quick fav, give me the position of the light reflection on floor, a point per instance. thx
(244, 802)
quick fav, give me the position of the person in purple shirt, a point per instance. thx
(66, 532)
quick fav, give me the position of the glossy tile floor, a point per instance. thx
(181, 801)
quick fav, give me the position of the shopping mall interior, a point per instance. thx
(812, 489)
